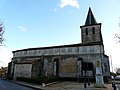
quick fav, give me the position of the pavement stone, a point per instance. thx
(67, 85)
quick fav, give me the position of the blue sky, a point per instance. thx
(38, 23)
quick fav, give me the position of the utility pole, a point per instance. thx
(111, 63)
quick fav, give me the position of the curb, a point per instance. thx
(27, 85)
(40, 87)
(51, 83)
(32, 86)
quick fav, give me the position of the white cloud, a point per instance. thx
(22, 28)
(5, 56)
(73, 3)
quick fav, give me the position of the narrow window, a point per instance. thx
(86, 31)
(54, 68)
(93, 30)
(79, 67)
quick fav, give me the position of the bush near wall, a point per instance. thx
(38, 80)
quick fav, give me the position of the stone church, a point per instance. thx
(65, 61)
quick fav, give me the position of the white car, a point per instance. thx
(112, 78)
(117, 77)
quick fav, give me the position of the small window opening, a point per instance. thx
(86, 31)
(93, 30)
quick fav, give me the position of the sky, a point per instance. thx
(41, 23)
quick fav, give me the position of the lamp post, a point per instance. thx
(111, 63)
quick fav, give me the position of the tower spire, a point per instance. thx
(91, 31)
(90, 20)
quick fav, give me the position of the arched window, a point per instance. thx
(86, 30)
(93, 30)
(56, 67)
(79, 67)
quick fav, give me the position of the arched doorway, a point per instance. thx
(87, 68)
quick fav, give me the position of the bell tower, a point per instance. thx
(91, 31)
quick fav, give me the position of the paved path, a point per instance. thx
(66, 86)
(75, 86)
(7, 85)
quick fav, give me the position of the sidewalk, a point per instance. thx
(64, 86)
(34, 86)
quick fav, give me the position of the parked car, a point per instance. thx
(112, 78)
(117, 77)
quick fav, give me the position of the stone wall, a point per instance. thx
(68, 64)
(37, 67)
(22, 70)
(90, 37)
(93, 49)
(106, 66)
(66, 56)
(68, 67)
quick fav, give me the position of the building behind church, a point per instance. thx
(64, 61)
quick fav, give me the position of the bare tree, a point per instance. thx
(3, 72)
(117, 36)
(1, 33)
(117, 70)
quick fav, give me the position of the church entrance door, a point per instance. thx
(87, 69)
